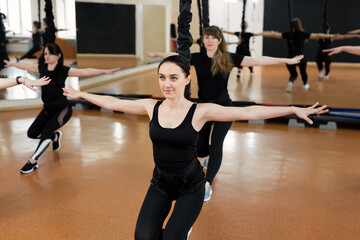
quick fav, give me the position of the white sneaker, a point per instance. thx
(251, 74)
(321, 75)
(206, 162)
(289, 87)
(208, 192)
(306, 86)
(327, 76)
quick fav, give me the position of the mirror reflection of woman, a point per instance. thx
(323, 60)
(295, 41)
(36, 42)
(243, 47)
(57, 109)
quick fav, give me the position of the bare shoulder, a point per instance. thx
(202, 114)
(149, 105)
(203, 108)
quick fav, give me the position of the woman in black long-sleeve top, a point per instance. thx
(295, 42)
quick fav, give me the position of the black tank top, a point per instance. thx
(174, 148)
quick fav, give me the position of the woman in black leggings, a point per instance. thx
(295, 42)
(213, 67)
(57, 109)
(243, 47)
(322, 59)
(174, 127)
(36, 42)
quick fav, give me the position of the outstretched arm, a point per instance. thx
(88, 72)
(262, 61)
(348, 49)
(10, 82)
(214, 112)
(28, 67)
(159, 55)
(344, 36)
(320, 35)
(228, 32)
(272, 34)
(137, 107)
(229, 43)
(354, 31)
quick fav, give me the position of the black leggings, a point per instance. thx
(294, 74)
(189, 198)
(215, 150)
(31, 52)
(45, 125)
(323, 58)
(244, 53)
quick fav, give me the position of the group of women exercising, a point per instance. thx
(296, 40)
(180, 130)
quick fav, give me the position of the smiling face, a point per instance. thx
(51, 58)
(211, 43)
(172, 80)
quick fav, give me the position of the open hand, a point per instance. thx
(295, 60)
(72, 93)
(31, 83)
(150, 54)
(332, 51)
(303, 113)
(8, 63)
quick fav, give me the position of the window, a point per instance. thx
(18, 14)
(65, 18)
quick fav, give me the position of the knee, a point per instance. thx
(145, 234)
(171, 235)
(33, 134)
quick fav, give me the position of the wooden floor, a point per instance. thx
(276, 182)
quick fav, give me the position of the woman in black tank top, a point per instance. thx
(174, 127)
(213, 66)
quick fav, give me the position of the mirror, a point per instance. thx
(266, 86)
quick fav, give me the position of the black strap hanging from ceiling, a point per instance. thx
(243, 20)
(200, 17)
(49, 18)
(39, 13)
(2, 28)
(205, 13)
(325, 24)
(203, 10)
(290, 13)
(3, 41)
(184, 39)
